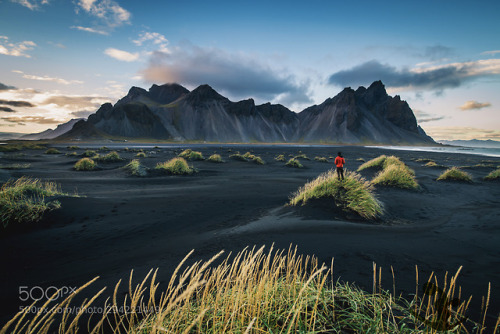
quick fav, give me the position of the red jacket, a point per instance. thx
(339, 161)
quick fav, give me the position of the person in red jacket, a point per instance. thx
(339, 162)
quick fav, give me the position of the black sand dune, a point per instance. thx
(123, 222)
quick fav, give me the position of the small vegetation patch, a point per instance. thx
(73, 147)
(175, 166)
(110, 157)
(215, 158)
(85, 164)
(258, 160)
(455, 174)
(52, 150)
(238, 156)
(423, 160)
(13, 147)
(103, 148)
(89, 153)
(71, 154)
(360, 159)
(295, 163)
(191, 155)
(135, 168)
(141, 155)
(494, 175)
(396, 175)
(321, 159)
(15, 166)
(280, 157)
(353, 194)
(431, 164)
(301, 156)
(24, 200)
(377, 163)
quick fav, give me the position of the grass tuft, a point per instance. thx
(141, 155)
(13, 147)
(321, 159)
(396, 175)
(238, 156)
(494, 175)
(15, 166)
(454, 174)
(377, 163)
(85, 164)
(89, 153)
(175, 166)
(24, 200)
(52, 150)
(110, 157)
(135, 168)
(71, 154)
(215, 158)
(280, 157)
(258, 160)
(191, 155)
(295, 163)
(431, 164)
(353, 194)
(73, 147)
(301, 156)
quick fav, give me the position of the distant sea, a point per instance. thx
(486, 151)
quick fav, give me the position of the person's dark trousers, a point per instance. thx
(340, 172)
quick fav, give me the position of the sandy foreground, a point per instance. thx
(122, 222)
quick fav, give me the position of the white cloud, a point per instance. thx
(121, 55)
(108, 11)
(461, 132)
(470, 105)
(158, 40)
(47, 78)
(15, 49)
(491, 53)
(92, 30)
(31, 4)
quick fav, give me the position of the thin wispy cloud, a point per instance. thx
(109, 12)
(238, 75)
(461, 132)
(22, 120)
(491, 53)
(474, 105)
(25, 104)
(20, 49)
(159, 41)
(91, 30)
(31, 4)
(439, 77)
(121, 55)
(6, 109)
(48, 78)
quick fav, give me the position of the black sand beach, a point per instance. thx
(121, 222)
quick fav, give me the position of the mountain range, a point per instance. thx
(172, 112)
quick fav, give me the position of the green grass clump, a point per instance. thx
(294, 163)
(103, 148)
(353, 194)
(254, 291)
(141, 155)
(71, 154)
(431, 164)
(454, 174)
(494, 175)
(215, 158)
(238, 156)
(89, 153)
(52, 150)
(24, 200)
(175, 166)
(110, 157)
(191, 155)
(280, 157)
(258, 160)
(13, 147)
(135, 168)
(321, 159)
(377, 163)
(85, 164)
(248, 156)
(301, 156)
(72, 147)
(396, 175)
(15, 166)
(360, 159)
(423, 160)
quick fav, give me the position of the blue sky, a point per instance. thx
(61, 59)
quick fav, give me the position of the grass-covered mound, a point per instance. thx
(301, 156)
(281, 158)
(215, 158)
(494, 175)
(377, 163)
(175, 166)
(14, 147)
(295, 163)
(141, 155)
(89, 154)
(238, 156)
(248, 157)
(110, 157)
(135, 168)
(353, 194)
(254, 292)
(24, 200)
(396, 175)
(15, 166)
(85, 164)
(321, 159)
(52, 150)
(454, 174)
(191, 155)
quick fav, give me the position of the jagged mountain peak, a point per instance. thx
(167, 93)
(204, 93)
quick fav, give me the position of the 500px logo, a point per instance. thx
(36, 293)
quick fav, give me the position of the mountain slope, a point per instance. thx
(51, 134)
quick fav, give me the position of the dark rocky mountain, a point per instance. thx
(171, 112)
(51, 134)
